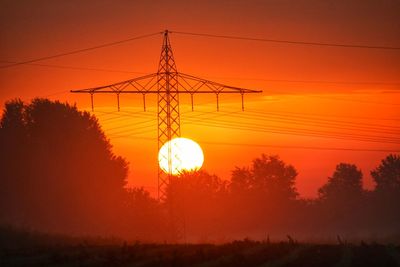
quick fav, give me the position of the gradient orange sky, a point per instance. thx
(354, 90)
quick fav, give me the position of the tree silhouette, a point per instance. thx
(144, 218)
(242, 181)
(199, 198)
(263, 195)
(199, 189)
(341, 201)
(344, 185)
(58, 170)
(387, 175)
(269, 176)
(386, 196)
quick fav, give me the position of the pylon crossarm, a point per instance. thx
(193, 88)
(149, 82)
(214, 87)
(163, 91)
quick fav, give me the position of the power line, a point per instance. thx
(306, 81)
(323, 116)
(80, 50)
(232, 37)
(296, 131)
(280, 130)
(302, 121)
(299, 133)
(214, 77)
(307, 119)
(267, 115)
(354, 100)
(274, 146)
(300, 147)
(285, 119)
(74, 67)
(316, 123)
(128, 126)
(129, 116)
(136, 128)
(134, 132)
(305, 115)
(393, 131)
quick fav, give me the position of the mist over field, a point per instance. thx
(60, 175)
(200, 133)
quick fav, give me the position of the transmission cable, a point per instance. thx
(80, 50)
(233, 37)
(133, 136)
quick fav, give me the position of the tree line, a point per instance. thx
(59, 174)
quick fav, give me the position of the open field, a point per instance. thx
(237, 253)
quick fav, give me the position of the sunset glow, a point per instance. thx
(311, 94)
(211, 122)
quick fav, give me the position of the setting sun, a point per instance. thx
(260, 133)
(186, 155)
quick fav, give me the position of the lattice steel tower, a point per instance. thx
(168, 109)
(168, 84)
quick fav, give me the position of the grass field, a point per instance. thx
(237, 253)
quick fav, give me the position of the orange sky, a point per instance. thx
(35, 29)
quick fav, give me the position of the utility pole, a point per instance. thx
(167, 84)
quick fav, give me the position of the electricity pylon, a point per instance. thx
(167, 84)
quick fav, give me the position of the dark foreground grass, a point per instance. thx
(237, 253)
(28, 248)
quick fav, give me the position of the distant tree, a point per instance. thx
(341, 206)
(12, 119)
(344, 185)
(199, 198)
(242, 180)
(263, 196)
(197, 188)
(58, 171)
(144, 216)
(387, 175)
(198, 184)
(269, 176)
(386, 196)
